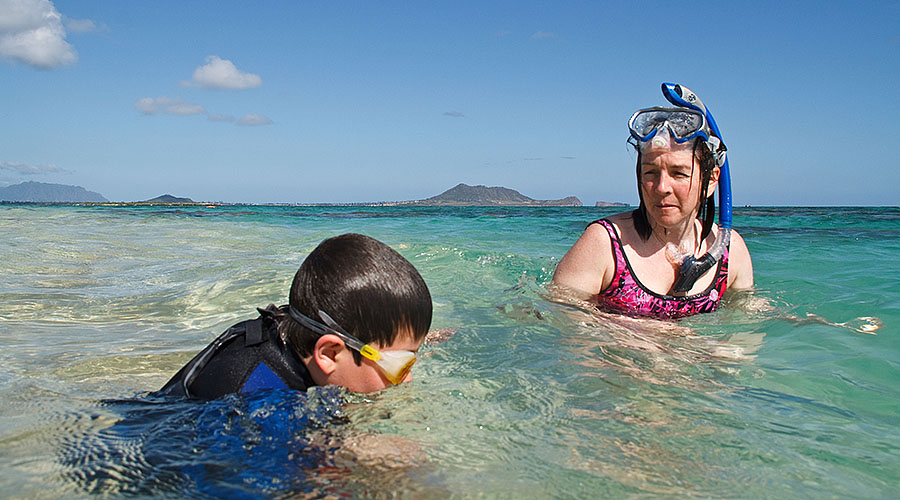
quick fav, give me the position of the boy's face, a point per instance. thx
(367, 377)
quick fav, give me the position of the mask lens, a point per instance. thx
(396, 364)
(682, 123)
(645, 122)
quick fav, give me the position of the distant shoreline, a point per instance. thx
(391, 204)
(309, 204)
(461, 195)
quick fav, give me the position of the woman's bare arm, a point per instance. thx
(588, 266)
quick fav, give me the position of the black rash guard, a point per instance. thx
(247, 357)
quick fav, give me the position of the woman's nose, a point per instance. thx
(663, 184)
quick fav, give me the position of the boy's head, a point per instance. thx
(373, 293)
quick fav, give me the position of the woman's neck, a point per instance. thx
(685, 236)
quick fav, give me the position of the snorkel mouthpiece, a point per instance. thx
(691, 269)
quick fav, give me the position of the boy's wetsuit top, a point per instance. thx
(248, 356)
(627, 295)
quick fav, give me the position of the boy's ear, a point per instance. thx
(325, 353)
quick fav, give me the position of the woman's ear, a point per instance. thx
(325, 353)
(713, 181)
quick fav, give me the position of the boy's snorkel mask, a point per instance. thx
(676, 128)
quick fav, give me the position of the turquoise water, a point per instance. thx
(787, 392)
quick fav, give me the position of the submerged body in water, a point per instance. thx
(232, 447)
(531, 397)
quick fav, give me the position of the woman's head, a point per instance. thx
(675, 181)
(368, 288)
(683, 135)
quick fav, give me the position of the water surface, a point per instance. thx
(782, 393)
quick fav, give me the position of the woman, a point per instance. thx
(667, 258)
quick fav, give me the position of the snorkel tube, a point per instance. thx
(691, 267)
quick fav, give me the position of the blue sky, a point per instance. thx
(338, 101)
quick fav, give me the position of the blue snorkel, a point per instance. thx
(683, 97)
(691, 267)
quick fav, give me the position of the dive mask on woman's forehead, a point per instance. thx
(682, 124)
(671, 128)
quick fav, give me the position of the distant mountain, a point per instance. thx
(43, 192)
(168, 198)
(465, 195)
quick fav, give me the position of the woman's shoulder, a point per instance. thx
(586, 266)
(740, 265)
(623, 225)
(621, 218)
(621, 222)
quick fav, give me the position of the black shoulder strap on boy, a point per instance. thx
(234, 364)
(196, 365)
(253, 332)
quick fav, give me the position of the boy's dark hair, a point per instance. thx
(369, 289)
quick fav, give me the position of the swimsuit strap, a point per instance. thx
(618, 254)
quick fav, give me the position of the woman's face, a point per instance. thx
(670, 184)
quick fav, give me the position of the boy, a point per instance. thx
(357, 315)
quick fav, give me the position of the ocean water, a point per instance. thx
(791, 391)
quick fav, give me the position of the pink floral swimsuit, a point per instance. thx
(627, 295)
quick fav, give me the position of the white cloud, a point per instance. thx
(146, 105)
(19, 15)
(167, 105)
(31, 32)
(220, 73)
(253, 120)
(173, 106)
(24, 169)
